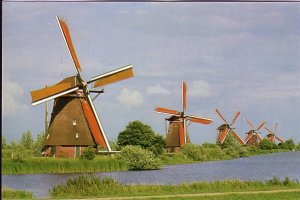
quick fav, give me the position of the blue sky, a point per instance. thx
(233, 56)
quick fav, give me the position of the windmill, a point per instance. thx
(272, 135)
(253, 137)
(177, 134)
(226, 129)
(74, 123)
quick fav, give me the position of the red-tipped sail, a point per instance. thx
(183, 96)
(66, 34)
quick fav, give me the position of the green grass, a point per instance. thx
(62, 165)
(8, 193)
(208, 152)
(268, 196)
(91, 186)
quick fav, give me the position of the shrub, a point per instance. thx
(88, 153)
(288, 144)
(138, 158)
(193, 152)
(265, 144)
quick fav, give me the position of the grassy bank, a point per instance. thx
(189, 154)
(91, 187)
(61, 165)
(8, 193)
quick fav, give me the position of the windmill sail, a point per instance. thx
(74, 121)
(113, 76)
(177, 134)
(226, 129)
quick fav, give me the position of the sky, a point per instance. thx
(233, 56)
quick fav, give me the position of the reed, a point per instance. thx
(91, 186)
(61, 165)
(8, 193)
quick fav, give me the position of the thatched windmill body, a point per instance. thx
(227, 129)
(272, 135)
(177, 132)
(253, 137)
(74, 123)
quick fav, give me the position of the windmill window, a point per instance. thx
(76, 135)
(74, 122)
(48, 136)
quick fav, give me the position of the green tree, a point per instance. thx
(27, 140)
(39, 143)
(139, 134)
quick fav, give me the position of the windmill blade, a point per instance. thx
(258, 137)
(235, 118)
(66, 86)
(167, 111)
(94, 123)
(279, 139)
(200, 120)
(219, 113)
(261, 125)
(250, 124)
(248, 137)
(183, 96)
(224, 135)
(237, 137)
(66, 34)
(276, 128)
(112, 76)
(271, 132)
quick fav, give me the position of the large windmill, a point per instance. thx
(177, 133)
(227, 129)
(74, 123)
(272, 135)
(253, 137)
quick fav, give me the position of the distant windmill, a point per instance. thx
(253, 137)
(177, 133)
(272, 135)
(226, 129)
(74, 123)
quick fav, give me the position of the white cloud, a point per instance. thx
(157, 89)
(11, 93)
(130, 98)
(199, 88)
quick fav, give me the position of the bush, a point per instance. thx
(265, 144)
(289, 144)
(230, 141)
(138, 158)
(193, 152)
(88, 153)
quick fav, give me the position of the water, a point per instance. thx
(262, 168)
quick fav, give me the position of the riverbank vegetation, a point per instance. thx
(140, 149)
(88, 186)
(8, 193)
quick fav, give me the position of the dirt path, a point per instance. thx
(196, 195)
